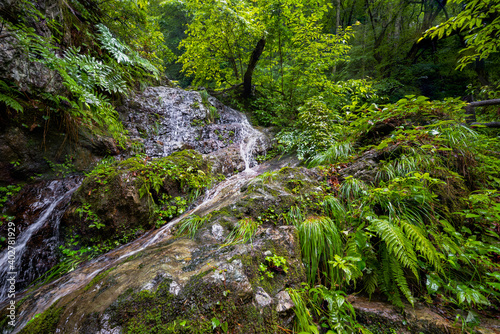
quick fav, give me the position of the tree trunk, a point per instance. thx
(254, 58)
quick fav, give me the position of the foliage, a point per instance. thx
(243, 233)
(191, 224)
(481, 24)
(420, 214)
(296, 56)
(275, 264)
(7, 192)
(89, 77)
(320, 241)
(86, 214)
(313, 131)
(338, 317)
(10, 96)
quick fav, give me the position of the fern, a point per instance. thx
(397, 243)
(399, 278)
(11, 102)
(423, 245)
(370, 281)
(90, 72)
(122, 53)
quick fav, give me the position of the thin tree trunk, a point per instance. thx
(337, 30)
(254, 58)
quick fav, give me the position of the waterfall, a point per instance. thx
(23, 267)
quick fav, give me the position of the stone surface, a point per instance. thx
(284, 302)
(169, 119)
(382, 317)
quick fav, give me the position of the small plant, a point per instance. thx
(63, 169)
(85, 212)
(216, 323)
(269, 176)
(8, 192)
(191, 224)
(275, 264)
(213, 114)
(243, 233)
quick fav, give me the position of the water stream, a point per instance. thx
(175, 127)
(214, 199)
(51, 204)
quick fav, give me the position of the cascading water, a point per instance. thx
(173, 127)
(24, 259)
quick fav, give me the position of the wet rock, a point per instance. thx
(37, 209)
(119, 202)
(187, 281)
(191, 281)
(364, 167)
(284, 302)
(169, 119)
(262, 298)
(382, 317)
(49, 153)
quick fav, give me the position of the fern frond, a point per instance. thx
(422, 243)
(7, 96)
(396, 242)
(386, 285)
(399, 278)
(370, 282)
(11, 102)
(122, 53)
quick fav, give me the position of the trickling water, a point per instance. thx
(26, 257)
(166, 120)
(224, 193)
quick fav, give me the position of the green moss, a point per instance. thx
(191, 311)
(44, 323)
(120, 199)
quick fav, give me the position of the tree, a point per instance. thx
(281, 42)
(480, 21)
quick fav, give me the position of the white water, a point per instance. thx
(22, 239)
(247, 145)
(214, 199)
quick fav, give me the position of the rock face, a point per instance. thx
(37, 229)
(179, 284)
(119, 200)
(169, 119)
(14, 65)
(382, 317)
(31, 153)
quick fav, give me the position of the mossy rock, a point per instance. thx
(119, 201)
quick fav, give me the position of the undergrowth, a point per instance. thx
(422, 228)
